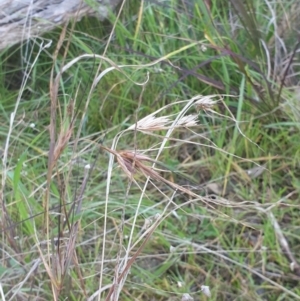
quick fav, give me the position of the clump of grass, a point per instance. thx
(115, 187)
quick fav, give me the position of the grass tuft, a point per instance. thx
(153, 156)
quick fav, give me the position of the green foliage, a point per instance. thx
(226, 238)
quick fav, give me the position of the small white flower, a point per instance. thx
(292, 266)
(158, 70)
(32, 125)
(88, 166)
(203, 48)
(205, 290)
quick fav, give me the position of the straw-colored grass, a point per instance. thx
(153, 157)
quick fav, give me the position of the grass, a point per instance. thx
(104, 199)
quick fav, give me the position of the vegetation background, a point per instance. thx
(154, 156)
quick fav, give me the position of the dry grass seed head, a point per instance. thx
(204, 102)
(132, 162)
(62, 141)
(187, 121)
(151, 123)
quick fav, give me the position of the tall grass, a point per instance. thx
(154, 156)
